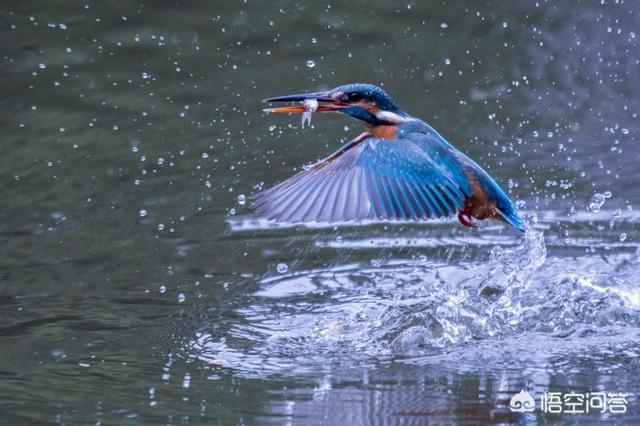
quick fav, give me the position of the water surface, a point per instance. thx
(136, 286)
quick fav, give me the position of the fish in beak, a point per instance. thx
(310, 103)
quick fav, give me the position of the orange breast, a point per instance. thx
(479, 205)
(385, 132)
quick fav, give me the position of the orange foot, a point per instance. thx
(466, 220)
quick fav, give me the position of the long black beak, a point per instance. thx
(327, 102)
(319, 96)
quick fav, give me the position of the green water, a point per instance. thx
(136, 288)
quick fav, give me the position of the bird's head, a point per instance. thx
(365, 102)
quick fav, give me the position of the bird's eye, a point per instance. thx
(354, 97)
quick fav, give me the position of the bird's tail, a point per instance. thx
(512, 218)
(504, 206)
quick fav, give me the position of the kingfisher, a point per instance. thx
(398, 169)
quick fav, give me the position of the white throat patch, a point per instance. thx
(391, 117)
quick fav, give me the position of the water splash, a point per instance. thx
(495, 287)
(514, 266)
(476, 307)
(598, 200)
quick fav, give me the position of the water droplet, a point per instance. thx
(447, 61)
(311, 63)
(181, 297)
(607, 194)
(282, 268)
(142, 213)
(597, 202)
(624, 131)
(623, 236)
(162, 289)
(444, 25)
(242, 199)
(160, 226)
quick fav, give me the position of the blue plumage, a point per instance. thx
(401, 169)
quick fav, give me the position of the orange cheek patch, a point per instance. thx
(371, 107)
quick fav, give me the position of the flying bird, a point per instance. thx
(400, 168)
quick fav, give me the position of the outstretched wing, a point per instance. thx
(412, 178)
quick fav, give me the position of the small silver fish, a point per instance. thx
(310, 106)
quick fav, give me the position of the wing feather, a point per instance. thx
(410, 212)
(378, 197)
(297, 208)
(421, 210)
(352, 201)
(411, 178)
(329, 201)
(444, 202)
(318, 196)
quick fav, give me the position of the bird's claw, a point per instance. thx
(466, 220)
